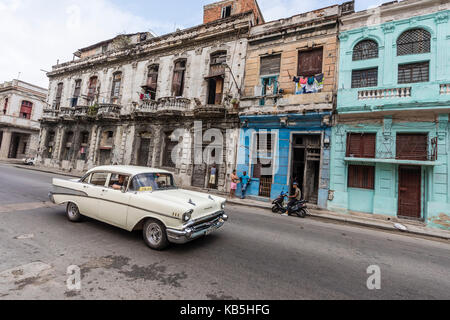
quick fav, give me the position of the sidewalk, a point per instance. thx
(361, 219)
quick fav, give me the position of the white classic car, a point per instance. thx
(140, 198)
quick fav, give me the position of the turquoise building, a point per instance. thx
(390, 139)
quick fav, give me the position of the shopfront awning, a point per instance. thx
(394, 161)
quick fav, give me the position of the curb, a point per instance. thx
(354, 222)
(46, 171)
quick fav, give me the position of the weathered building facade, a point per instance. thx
(144, 100)
(21, 106)
(289, 97)
(390, 143)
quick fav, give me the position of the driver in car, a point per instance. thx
(119, 184)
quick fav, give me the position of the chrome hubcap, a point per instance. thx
(154, 233)
(73, 210)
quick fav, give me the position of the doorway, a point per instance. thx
(409, 194)
(15, 140)
(305, 166)
(215, 92)
(144, 152)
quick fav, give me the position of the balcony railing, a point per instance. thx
(67, 113)
(108, 110)
(388, 93)
(445, 88)
(162, 105)
(50, 114)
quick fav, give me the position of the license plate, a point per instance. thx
(210, 230)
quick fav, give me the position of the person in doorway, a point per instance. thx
(297, 196)
(245, 181)
(234, 182)
(212, 178)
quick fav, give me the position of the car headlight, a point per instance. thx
(187, 215)
(223, 206)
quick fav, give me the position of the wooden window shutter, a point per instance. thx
(362, 177)
(361, 145)
(270, 65)
(369, 146)
(412, 147)
(310, 62)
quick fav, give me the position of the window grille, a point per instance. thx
(365, 78)
(414, 72)
(413, 42)
(366, 49)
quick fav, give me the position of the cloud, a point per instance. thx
(35, 34)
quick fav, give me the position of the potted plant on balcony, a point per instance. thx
(235, 103)
(93, 110)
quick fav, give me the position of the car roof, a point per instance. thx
(127, 170)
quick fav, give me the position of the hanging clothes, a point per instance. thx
(319, 78)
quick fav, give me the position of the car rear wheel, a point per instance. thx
(155, 235)
(73, 213)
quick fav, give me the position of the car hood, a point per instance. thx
(202, 203)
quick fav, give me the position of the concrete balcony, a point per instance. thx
(108, 111)
(50, 115)
(286, 103)
(390, 93)
(67, 114)
(423, 95)
(210, 110)
(445, 89)
(164, 107)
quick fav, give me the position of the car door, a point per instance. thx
(93, 189)
(113, 206)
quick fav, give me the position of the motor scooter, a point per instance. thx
(299, 208)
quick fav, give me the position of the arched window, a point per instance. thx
(366, 49)
(25, 109)
(178, 78)
(413, 42)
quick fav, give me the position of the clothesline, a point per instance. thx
(311, 84)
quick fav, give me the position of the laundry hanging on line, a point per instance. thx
(304, 85)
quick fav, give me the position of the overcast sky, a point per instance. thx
(36, 33)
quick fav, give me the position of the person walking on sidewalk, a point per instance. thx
(212, 177)
(245, 181)
(234, 182)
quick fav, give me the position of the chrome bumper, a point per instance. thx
(194, 230)
(51, 197)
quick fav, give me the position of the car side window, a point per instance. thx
(116, 181)
(99, 178)
(86, 179)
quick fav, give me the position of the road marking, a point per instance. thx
(25, 206)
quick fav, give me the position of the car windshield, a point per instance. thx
(152, 182)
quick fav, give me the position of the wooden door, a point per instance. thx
(409, 195)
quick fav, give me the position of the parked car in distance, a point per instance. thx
(29, 161)
(141, 198)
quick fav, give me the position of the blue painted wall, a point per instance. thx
(388, 116)
(298, 124)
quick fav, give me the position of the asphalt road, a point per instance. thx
(256, 255)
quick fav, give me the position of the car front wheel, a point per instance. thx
(155, 235)
(73, 213)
